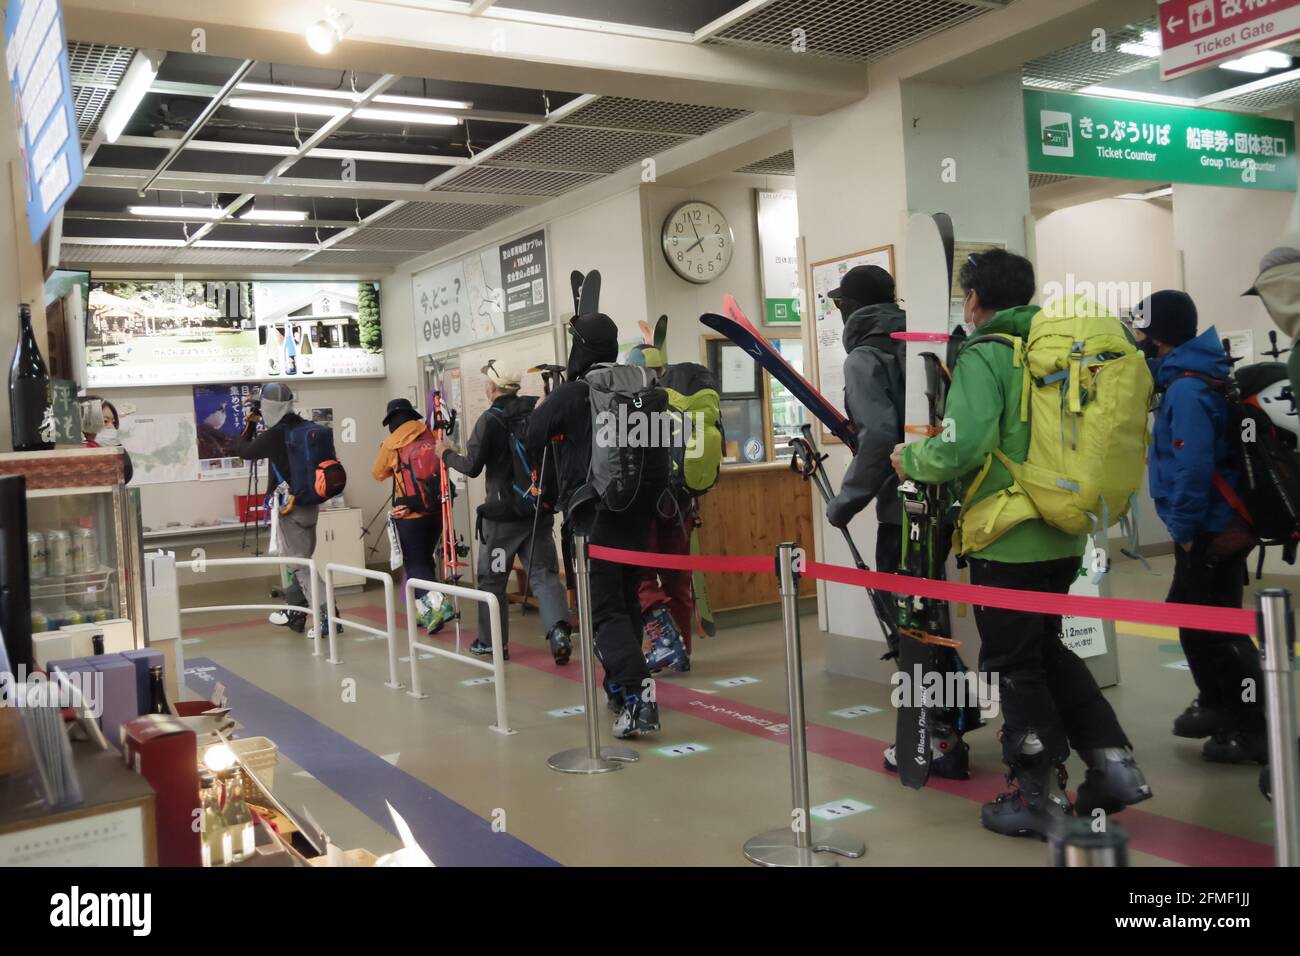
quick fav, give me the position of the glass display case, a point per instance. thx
(83, 539)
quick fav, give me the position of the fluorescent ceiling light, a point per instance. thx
(351, 96)
(1261, 62)
(1254, 86)
(407, 116)
(1141, 97)
(1149, 46)
(284, 106)
(274, 215)
(179, 212)
(135, 84)
(234, 244)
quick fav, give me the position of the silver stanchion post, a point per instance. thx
(799, 843)
(1277, 634)
(593, 758)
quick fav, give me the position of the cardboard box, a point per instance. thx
(164, 751)
(142, 660)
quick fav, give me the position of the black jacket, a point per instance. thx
(489, 446)
(566, 417)
(873, 397)
(270, 444)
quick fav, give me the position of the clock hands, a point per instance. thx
(699, 240)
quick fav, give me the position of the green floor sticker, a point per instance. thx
(1179, 666)
(862, 710)
(840, 808)
(681, 750)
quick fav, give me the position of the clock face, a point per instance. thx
(697, 241)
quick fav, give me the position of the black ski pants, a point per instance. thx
(615, 603)
(1045, 688)
(1222, 665)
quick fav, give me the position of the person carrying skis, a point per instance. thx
(1049, 699)
(874, 394)
(407, 457)
(1192, 450)
(666, 595)
(615, 611)
(506, 519)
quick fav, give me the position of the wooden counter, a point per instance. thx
(750, 511)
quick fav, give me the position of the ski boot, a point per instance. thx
(1036, 804)
(666, 647)
(560, 640)
(482, 648)
(1235, 747)
(949, 755)
(640, 713)
(1198, 721)
(1113, 781)
(613, 695)
(433, 615)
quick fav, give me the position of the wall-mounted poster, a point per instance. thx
(162, 447)
(494, 291)
(829, 325)
(778, 254)
(220, 413)
(169, 332)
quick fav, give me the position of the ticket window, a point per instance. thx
(759, 415)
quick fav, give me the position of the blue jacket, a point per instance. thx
(1190, 440)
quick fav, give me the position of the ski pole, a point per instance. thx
(532, 540)
(805, 460)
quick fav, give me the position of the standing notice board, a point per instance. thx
(494, 291)
(828, 327)
(36, 57)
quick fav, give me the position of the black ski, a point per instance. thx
(575, 284)
(589, 296)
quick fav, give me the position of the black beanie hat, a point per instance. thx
(1168, 316)
(595, 339)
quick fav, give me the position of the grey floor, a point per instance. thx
(699, 808)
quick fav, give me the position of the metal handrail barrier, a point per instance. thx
(497, 667)
(390, 617)
(198, 567)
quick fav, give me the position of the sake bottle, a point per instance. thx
(31, 399)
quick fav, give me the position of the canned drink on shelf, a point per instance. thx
(85, 549)
(36, 554)
(59, 559)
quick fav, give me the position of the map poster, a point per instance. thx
(219, 418)
(162, 447)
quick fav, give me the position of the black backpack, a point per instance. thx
(1268, 501)
(518, 501)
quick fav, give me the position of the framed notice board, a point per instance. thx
(828, 327)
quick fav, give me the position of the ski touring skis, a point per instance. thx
(738, 329)
(575, 285)
(451, 546)
(551, 375)
(924, 628)
(589, 294)
(661, 335)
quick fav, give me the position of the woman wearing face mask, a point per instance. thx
(1192, 456)
(99, 424)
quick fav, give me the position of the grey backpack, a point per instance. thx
(631, 457)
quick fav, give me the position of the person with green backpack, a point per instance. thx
(1045, 435)
(667, 596)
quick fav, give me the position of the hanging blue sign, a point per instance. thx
(36, 57)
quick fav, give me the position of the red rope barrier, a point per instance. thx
(1226, 619)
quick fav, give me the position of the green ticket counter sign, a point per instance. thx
(1072, 135)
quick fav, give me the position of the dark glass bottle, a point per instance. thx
(97, 642)
(31, 400)
(157, 696)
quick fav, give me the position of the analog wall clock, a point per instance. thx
(697, 241)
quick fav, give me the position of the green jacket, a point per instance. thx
(984, 411)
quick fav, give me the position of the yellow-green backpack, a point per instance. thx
(1085, 391)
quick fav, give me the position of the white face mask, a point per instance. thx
(108, 436)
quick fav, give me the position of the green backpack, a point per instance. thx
(1085, 390)
(697, 409)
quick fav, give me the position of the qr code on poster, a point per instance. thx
(539, 291)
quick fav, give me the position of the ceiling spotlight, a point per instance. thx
(1262, 62)
(1149, 46)
(324, 35)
